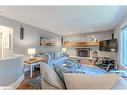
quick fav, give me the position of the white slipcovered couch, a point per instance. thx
(51, 80)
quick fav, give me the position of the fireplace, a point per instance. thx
(83, 52)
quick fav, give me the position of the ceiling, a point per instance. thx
(66, 20)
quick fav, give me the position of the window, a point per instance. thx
(123, 46)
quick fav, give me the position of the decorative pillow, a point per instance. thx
(57, 54)
(43, 56)
(61, 54)
(51, 76)
(49, 56)
(52, 55)
(84, 81)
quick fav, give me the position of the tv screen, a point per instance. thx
(107, 45)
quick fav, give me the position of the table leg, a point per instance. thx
(31, 69)
(79, 65)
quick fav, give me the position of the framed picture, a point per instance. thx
(47, 41)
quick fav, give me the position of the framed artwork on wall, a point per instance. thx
(47, 41)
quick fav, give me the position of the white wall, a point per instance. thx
(31, 35)
(0, 45)
(87, 37)
(104, 35)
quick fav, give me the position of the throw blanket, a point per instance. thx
(85, 68)
(89, 69)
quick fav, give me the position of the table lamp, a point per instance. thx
(31, 52)
(64, 51)
(113, 50)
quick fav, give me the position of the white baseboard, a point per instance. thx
(14, 85)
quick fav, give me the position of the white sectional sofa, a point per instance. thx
(51, 80)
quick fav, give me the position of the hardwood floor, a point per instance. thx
(25, 85)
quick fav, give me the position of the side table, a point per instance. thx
(33, 62)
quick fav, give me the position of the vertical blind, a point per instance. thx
(123, 46)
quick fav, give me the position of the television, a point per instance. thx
(107, 45)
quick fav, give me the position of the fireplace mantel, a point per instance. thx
(90, 43)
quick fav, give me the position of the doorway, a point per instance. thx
(6, 41)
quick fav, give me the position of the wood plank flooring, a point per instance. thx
(25, 85)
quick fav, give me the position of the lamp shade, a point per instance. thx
(64, 49)
(113, 50)
(31, 51)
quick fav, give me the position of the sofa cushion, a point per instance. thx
(84, 81)
(51, 76)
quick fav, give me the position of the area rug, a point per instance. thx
(36, 82)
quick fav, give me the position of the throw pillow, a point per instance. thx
(57, 54)
(84, 81)
(51, 76)
(52, 55)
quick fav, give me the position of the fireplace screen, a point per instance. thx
(83, 52)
